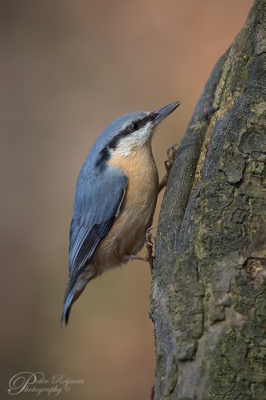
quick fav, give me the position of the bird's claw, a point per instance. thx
(171, 152)
(149, 247)
(148, 257)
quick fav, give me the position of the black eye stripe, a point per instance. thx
(133, 127)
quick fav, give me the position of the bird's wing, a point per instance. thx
(97, 205)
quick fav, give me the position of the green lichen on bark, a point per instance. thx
(208, 300)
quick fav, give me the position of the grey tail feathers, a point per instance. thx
(67, 307)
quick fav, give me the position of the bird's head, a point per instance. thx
(125, 136)
(132, 131)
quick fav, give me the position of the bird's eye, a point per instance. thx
(134, 127)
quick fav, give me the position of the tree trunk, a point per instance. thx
(208, 300)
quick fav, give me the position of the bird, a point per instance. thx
(115, 199)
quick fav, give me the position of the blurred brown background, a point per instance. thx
(68, 68)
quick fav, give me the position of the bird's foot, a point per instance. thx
(171, 152)
(148, 257)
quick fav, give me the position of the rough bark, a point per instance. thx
(208, 299)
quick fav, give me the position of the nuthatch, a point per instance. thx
(115, 199)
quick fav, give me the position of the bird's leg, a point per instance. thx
(149, 246)
(171, 152)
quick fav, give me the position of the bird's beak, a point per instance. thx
(162, 113)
